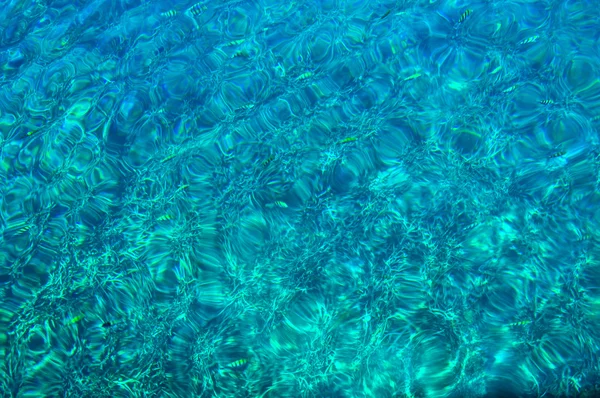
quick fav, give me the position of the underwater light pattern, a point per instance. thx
(299, 198)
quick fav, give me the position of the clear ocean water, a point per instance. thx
(299, 198)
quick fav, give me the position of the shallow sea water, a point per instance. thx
(299, 198)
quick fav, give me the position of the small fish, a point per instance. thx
(347, 140)
(305, 75)
(546, 102)
(278, 203)
(166, 217)
(498, 27)
(74, 320)
(520, 323)
(413, 76)
(65, 41)
(268, 160)
(247, 106)
(169, 157)
(510, 89)
(584, 237)
(181, 188)
(531, 39)
(238, 365)
(23, 230)
(197, 9)
(386, 14)
(464, 16)
(242, 53)
(557, 154)
(168, 14)
(234, 43)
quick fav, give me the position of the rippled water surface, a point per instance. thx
(299, 198)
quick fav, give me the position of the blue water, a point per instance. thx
(299, 199)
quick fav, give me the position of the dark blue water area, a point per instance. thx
(299, 199)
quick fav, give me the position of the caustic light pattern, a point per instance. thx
(299, 198)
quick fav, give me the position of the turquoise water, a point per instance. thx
(299, 199)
